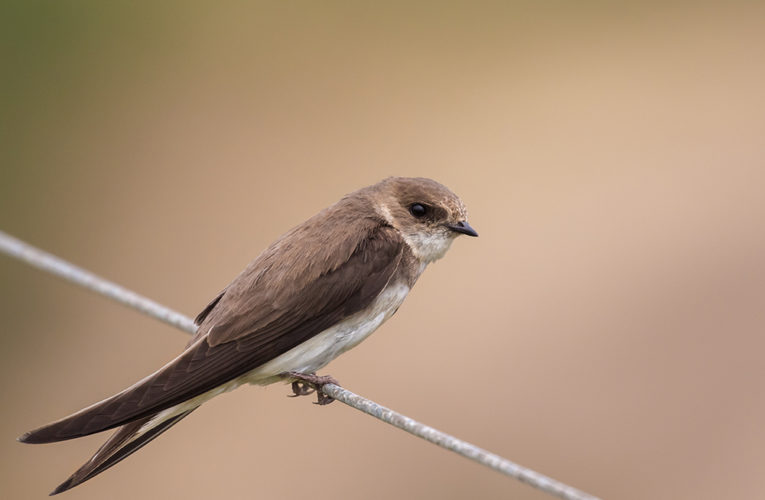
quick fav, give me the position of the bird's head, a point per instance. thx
(427, 214)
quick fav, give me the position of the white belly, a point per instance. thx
(319, 350)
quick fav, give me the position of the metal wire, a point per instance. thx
(63, 269)
(50, 263)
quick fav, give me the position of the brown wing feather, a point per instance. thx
(214, 302)
(282, 299)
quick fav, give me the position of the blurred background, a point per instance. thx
(606, 328)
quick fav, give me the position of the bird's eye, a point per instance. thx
(418, 209)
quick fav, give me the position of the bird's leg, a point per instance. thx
(306, 383)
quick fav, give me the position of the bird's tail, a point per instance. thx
(124, 442)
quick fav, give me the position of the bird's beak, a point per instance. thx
(462, 227)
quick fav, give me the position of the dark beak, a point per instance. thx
(462, 227)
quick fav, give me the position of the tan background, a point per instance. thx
(606, 328)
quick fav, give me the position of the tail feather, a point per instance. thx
(123, 443)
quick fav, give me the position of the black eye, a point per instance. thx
(418, 209)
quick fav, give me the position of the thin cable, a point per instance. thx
(63, 269)
(458, 446)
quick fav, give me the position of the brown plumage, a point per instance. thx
(325, 276)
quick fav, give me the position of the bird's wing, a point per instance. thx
(282, 299)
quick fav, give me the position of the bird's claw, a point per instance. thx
(301, 388)
(322, 399)
(304, 384)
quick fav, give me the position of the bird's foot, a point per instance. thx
(301, 388)
(304, 384)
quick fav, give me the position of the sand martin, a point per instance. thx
(317, 291)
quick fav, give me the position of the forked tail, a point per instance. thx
(124, 442)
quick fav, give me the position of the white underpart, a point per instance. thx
(309, 356)
(319, 350)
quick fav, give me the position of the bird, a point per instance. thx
(316, 292)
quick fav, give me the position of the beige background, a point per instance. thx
(605, 329)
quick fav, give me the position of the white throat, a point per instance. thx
(428, 247)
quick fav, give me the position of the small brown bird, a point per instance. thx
(316, 292)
